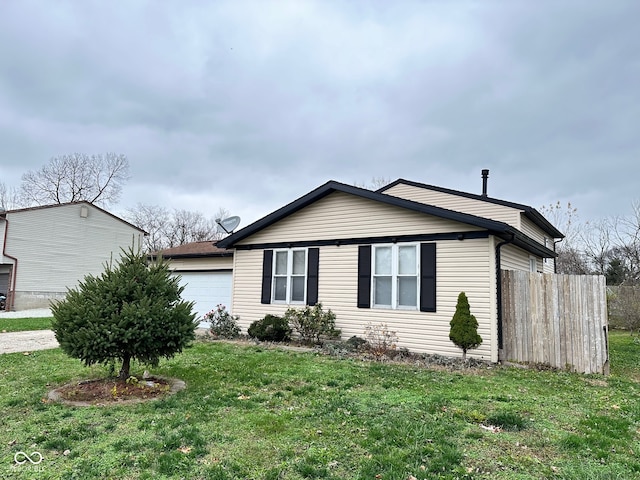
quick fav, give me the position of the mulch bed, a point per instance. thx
(110, 391)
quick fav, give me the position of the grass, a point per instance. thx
(24, 324)
(253, 413)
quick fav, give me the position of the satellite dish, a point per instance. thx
(228, 225)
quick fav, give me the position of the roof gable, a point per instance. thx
(529, 212)
(66, 204)
(498, 228)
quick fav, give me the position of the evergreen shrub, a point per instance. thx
(130, 312)
(271, 328)
(464, 327)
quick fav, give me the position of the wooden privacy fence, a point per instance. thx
(556, 320)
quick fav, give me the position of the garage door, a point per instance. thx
(4, 283)
(4, 286)
(207, 290)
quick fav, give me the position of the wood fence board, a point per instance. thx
(558, 320)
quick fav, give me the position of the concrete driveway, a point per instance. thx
(13, 342)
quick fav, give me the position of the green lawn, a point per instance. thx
(254, 413)
(24, 324)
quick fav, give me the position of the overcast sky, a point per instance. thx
(249, 105)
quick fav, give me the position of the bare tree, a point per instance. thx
(170, 229)
(187, 227)
(153, 219)
(571, 257)
(69, 178)
(9, 197)
(375, 183)
(597, 243)
(624, 307)
(627, 235)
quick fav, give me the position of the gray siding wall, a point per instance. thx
(56, 248)
(3, 259)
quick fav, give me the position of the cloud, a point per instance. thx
(248, 105)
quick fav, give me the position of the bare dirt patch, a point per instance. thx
(114, 391)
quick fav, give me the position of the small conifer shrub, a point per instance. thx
(464, 327)
(133, 311)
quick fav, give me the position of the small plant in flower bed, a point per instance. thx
(381, 341)
(271, 328)
(312, 323)
(223, 324)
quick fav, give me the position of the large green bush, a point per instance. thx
(271, 328)
(312, 323)
(132, 311)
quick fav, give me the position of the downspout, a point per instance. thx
(499, 290)
(555, 260)
(14, 272)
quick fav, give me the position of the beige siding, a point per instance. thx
(461, 266)
(536, 233)
(501, 213)
(548, 265)
(56, 247)
(340, 215)
(514, 258)
(531, 230)
(201, 264)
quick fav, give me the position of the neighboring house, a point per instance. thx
(47, 249)
(205, 272)
(399, 256)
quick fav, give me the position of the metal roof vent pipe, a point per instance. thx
(485, 176)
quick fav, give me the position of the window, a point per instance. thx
(533, 264)
(427, 271)
(289, 276)
(395, 276)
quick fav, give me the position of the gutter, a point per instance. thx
(499, 291)
(14, 271)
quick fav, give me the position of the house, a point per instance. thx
(205, 272)
(397, 256)
(47, 249)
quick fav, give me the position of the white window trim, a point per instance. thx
(289, 276)
(533, 264)
(394, 276)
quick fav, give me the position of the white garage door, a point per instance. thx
(207, 290)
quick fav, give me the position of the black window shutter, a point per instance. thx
(313, 261)
(267, 266)
(364, 276)
(428, 277)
